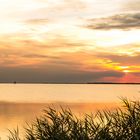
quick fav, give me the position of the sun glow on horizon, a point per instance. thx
(126, 71)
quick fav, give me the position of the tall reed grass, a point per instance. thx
(121, 124)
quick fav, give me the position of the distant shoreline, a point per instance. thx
(69, 83)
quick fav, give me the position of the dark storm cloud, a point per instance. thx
(121, 21)
(86, 76)
(53, 76)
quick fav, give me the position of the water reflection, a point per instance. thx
(18, 114)
(80, 98)
(66, 92)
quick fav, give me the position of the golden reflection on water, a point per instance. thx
(18, 114)
(24, 102)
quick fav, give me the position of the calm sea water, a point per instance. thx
(21, 103)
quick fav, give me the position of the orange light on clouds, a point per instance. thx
(85, 36)
(125, 69)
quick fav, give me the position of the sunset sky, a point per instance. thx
(70, 41)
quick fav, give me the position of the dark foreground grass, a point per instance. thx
(122, 124)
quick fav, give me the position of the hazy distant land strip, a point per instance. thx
(66, 83)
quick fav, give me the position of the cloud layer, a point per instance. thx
(69, 41)
(121, 21)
